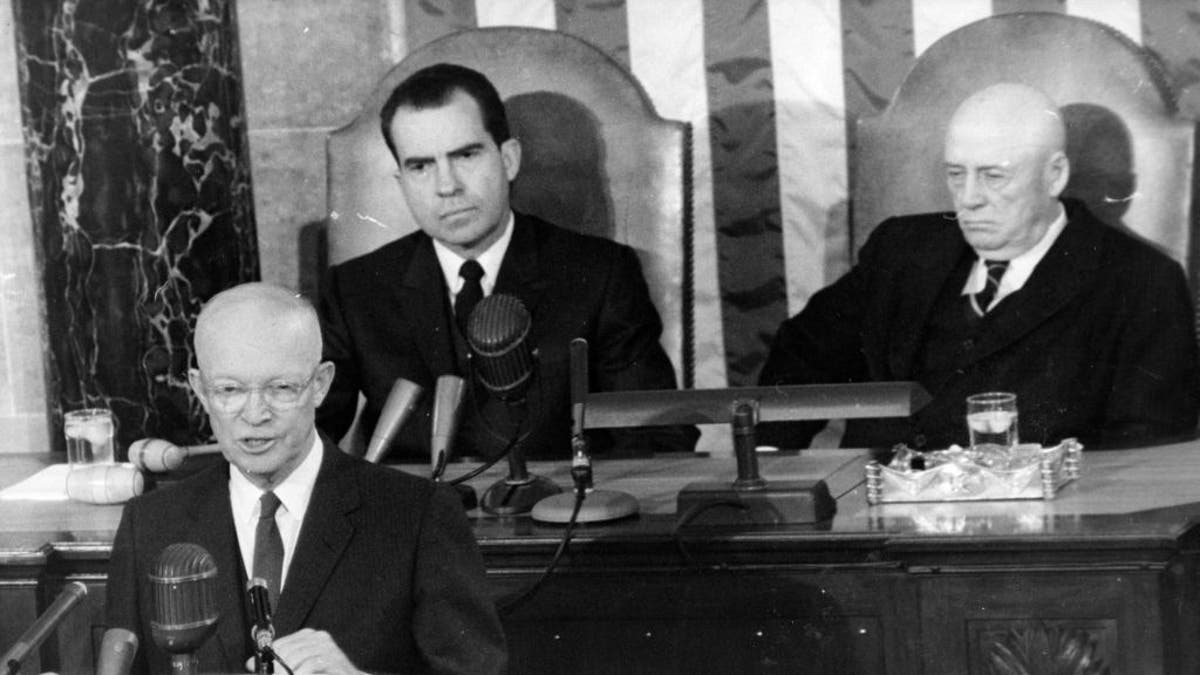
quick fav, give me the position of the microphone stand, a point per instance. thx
(520, 490)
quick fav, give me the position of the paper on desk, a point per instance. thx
(49, 484)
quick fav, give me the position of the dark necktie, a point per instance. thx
(268, 546)
(470, 294)
(995, 271)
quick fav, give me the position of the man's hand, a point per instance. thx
(309, 651)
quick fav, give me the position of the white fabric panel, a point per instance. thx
(932, 19)
(529, 13)
(810, 132)
(666, 54)
(1124, 15)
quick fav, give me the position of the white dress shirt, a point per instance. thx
(1020, 268)
(294, 494)
(489, 260)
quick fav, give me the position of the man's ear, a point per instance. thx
(197, 385)
(510, 154)
(1058, 173)
(322, 381)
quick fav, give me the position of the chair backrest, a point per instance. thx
(596, 158)
(1131, 156)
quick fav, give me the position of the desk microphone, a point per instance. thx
(400, 403)
(598, 505)
(117, 649)
(185, 605)
(262, 632)
(105, 483)
(503, 360)
(45, 624)
(447, 401)
(158, 455)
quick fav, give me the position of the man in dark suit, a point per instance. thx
(1014, 291)
(400, 311)
(370, 568)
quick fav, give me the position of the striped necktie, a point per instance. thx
(268, 546)
(995, 271)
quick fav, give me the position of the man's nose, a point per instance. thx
(257, 408)
(448, 182)
(970, 193)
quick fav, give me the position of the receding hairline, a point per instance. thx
(1026, 113)
(256, 303)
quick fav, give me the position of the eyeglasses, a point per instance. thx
(231, 397)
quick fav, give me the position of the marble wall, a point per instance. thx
(139, 192)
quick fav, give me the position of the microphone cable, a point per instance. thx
(581, 476)
(519, 435)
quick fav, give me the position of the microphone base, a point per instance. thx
(509, 498)
(599, 506)
(776, 502)
(467, 494)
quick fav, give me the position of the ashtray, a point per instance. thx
(1027, 471)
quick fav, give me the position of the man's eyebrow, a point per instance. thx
(469, 147)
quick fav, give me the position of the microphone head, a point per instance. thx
(156, 455)
(185, 603)
(117, 650)
(498, 334)
(447, 401)
(400, 403)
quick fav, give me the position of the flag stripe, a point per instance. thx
(810, 117)
(527, 13)
(933, 19)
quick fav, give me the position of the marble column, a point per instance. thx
(139, 184)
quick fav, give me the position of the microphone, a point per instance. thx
(598, 505)
(498, 332)
(400, 403)
(185, 604)
(447, 399)
(158, 455)
(117, 650)
(503, 361)
(262, 632)
(105, 483)
(45, 624)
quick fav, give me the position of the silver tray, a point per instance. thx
(1032, 472)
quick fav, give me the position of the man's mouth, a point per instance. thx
(457, 213)
(256, 443)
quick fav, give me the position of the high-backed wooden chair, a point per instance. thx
(1131, 155)
(596, 158)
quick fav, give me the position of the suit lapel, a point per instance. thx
(1067, 268)
(212, 523)
(324, 535)
(423, 289)
(919, 288)
(521, 271)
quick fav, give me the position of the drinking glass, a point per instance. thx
(992, 419)
(89, 435)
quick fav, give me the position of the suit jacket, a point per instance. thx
(387, 315)
(1099, 344)
(385, 562)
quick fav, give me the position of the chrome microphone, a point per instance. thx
(117, 649)
(185, 604)
(498, 334)
(158, 455)
(447, 401)
(262, 632)
(400, 403)
(45, 624)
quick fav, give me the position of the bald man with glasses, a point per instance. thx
(368, 569)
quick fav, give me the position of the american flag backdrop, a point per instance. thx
(773, 90)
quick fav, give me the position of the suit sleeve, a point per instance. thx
(121, 590)
(336, 413)
(1156, 391)
(455, 623)
(628, 355)
(822, 344)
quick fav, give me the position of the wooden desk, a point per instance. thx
(895, 588)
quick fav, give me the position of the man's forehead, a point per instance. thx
(438, 130)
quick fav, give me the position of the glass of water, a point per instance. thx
(992, 420)
(90, 436)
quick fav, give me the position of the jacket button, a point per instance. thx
(919, 440)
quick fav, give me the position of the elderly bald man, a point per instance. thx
(1016, 290)
(371, 569)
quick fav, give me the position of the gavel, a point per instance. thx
(157, 455)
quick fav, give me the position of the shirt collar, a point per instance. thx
(490, 260)
(1021, 267)
(294, 492)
